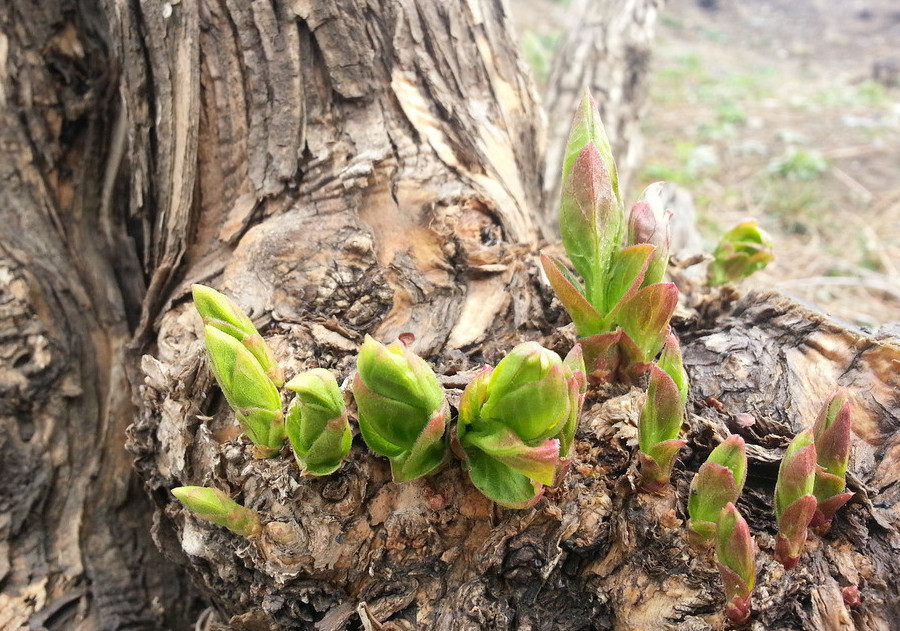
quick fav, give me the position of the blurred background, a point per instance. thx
(786, 111)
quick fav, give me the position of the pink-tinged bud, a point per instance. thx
(736, 553)
(850, 594)
(833, 431)
(591, 221)
(659, 424)
(718, 483)
(649, 222)
(795, 503)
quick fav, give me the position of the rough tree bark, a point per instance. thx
(340, 169)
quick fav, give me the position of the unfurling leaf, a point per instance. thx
(316, 422)
(517, 423)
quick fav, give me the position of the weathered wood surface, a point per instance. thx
(341, 168)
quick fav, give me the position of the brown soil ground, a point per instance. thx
(774, 110)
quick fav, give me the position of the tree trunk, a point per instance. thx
(606, 50)
(341, 169)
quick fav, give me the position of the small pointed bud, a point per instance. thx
(317, 422)
(649, 222)
(660, 422)
(591, 221)
(736, 553)
(795, 503)
(850, 595)
(218, 311)
(743, 250)
(248, 390)
(833, 432)
(215, 506)
(401, 407)
(517, 423)
(718, 483)
(670, 360)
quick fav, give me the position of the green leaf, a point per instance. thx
(537, 462)
(625, 277)
(500, 482)
(588, 321)
(645, 317)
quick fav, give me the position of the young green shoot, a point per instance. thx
(718, 483)
(517, 423)
(795, 503)
(316, 422)
(401, 407)
(215, 506)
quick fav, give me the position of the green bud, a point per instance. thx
(401, 407)
(736, 555)
(743, 250)
(213, 505)
(671, 362)
(317, 422)
(218, 311)
(248, 390)
(718, 482)
(517, 423)
(833, 433)
(795, 503)
(659, 424)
